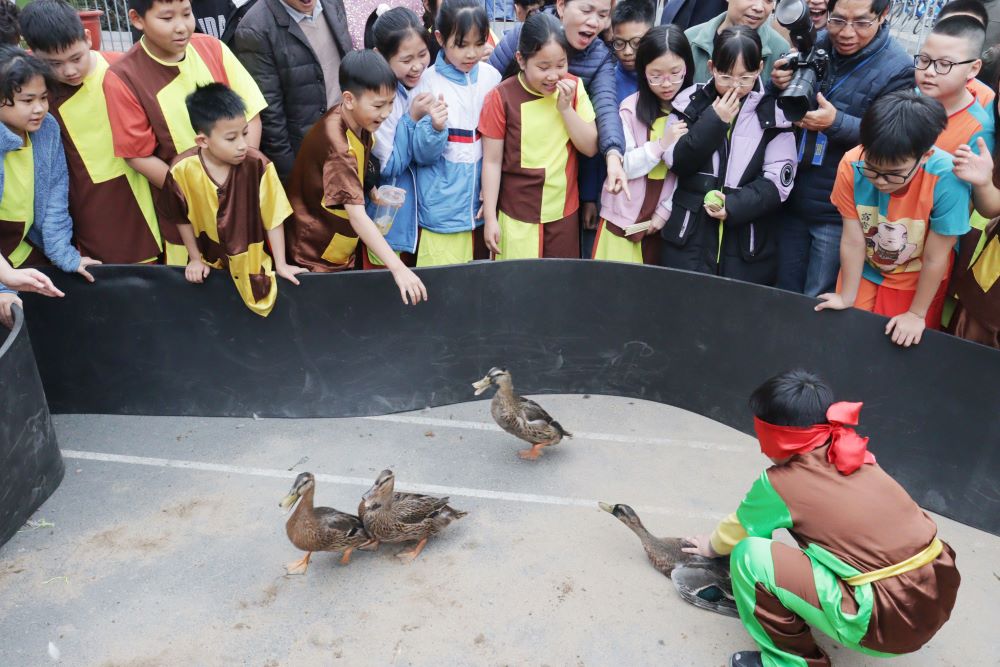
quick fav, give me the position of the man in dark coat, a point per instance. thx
(687, 13)
(292, 48)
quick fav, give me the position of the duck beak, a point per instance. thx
(482, 385)
(606, 507)
(288, 500)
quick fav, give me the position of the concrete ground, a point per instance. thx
(165, 546)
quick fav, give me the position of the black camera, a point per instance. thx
(809, 64)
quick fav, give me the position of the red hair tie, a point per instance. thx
(847, 451)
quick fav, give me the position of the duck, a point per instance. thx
(704, 582)
(390, 516)
(319, 528)
(519, 416)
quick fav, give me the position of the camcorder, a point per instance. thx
(809, 63)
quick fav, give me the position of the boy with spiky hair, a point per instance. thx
(903, 210)
(327, 184)
(869, 571)
(146, 91)
(225, 197)
(946, 69)
(99, 182)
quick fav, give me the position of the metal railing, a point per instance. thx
(116, 31)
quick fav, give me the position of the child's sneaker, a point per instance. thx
(746, 659)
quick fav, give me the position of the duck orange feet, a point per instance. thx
(533, 453)
(412, 554)
(299, 566)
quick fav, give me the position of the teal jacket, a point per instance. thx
(702, 37)
(52, 230)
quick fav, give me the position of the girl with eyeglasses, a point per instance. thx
(733, 168)
(665, 67)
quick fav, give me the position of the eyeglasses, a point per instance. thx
(836, 24)
(620, 44)
(745, 81)
(660, 79)
(891, 179)
(941, 66)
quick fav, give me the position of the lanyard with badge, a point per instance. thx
(821, 140)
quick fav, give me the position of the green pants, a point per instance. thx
(781, 591)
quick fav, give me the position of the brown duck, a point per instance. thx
(519, 416)
(394, 517)
(319, 528)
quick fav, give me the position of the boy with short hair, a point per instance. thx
(326, 187)
(902, 210)
(946, 68)
(146, 91)
(976, 10)
(526, 8)
(224, 197)
(870, 571)
(99, 182)
(10, 31)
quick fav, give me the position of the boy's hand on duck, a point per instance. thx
(976, 170)
(820, 119)
(672, 134)
(82, 268)
(288, 272)
(727, 107)
(411, 288)
(832, 301)
(196, 271)
(491, 234)
(565, 90)
(439, 114)
(8, 299)
(421, 106)
(700, 545)
(906, 329)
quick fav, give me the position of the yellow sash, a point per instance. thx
(926, 556)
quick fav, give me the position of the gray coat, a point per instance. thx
(277, 54)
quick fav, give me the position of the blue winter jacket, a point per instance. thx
(394, 144)
(595, 65)
(52, 230)
(851, 84)
(594, 170)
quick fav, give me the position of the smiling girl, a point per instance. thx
(34, 184)
(664, 67)
(533, 124)
(416, 126)
(590, 60)
(448, 177)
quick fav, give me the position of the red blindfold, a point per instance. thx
(848, 450)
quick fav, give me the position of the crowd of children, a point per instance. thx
(659, 146)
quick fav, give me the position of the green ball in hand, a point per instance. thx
(714, 198)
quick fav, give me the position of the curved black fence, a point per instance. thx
(31, 466)
(142, 341)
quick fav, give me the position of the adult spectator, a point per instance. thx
(687, 13)
(818, 13)
(293, 48)
(865, 62)
(754, 14)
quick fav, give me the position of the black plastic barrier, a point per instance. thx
(142, 341)
(31, 466)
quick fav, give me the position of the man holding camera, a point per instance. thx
(864, 62)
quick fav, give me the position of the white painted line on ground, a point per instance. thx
(486, 494)
(582, 435)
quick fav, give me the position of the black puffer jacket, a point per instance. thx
(277, 54)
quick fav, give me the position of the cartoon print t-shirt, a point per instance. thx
(895, 226)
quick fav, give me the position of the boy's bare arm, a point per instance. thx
(907, 329)
(410, 286)
(254, 130)
(196, 270)
(852, 260)
(276, 238)
(153, 168)
(492, 164)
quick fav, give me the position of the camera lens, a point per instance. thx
(797, 100)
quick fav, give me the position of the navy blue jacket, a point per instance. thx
(595, 65)
(851, 89)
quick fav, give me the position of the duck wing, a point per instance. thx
(414, 507)
(533, 412)
(335, 520)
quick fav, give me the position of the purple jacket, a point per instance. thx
(753, 164)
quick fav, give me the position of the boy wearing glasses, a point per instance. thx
(947, 66)
(902, 210)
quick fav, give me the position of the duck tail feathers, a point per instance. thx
(562, 431)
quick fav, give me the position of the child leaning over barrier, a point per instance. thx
(225, 197)
(665, 67)
(879, 582)
(903, 210)
(533, 124)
